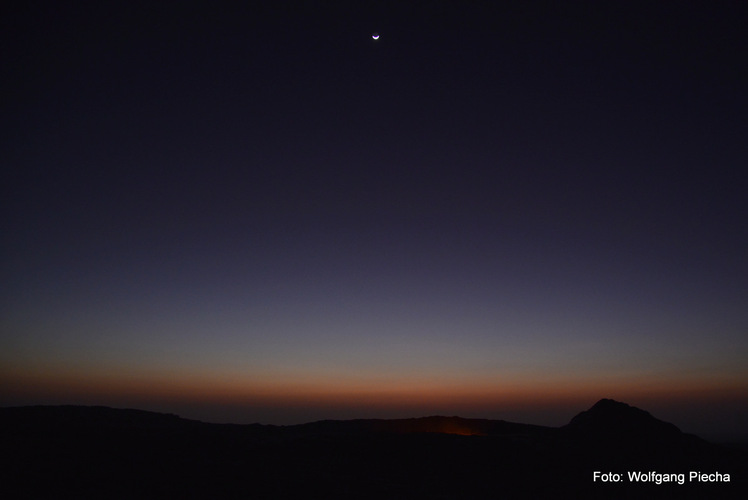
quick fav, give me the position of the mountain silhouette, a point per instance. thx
(624, 435)
(612, 418)
(95, 452)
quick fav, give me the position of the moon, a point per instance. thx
(375, 36)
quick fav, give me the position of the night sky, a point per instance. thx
(259, 213)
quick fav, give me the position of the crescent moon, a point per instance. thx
(375, 36)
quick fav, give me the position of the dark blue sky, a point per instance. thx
(541, 203)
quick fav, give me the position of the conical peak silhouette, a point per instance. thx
(611, 417)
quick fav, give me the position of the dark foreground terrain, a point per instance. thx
(97, 452)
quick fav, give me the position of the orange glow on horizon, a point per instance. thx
(416, 396)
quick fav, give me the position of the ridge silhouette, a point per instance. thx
(95, 452)
(612, 417)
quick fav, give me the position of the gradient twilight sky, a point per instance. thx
(261, 214)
